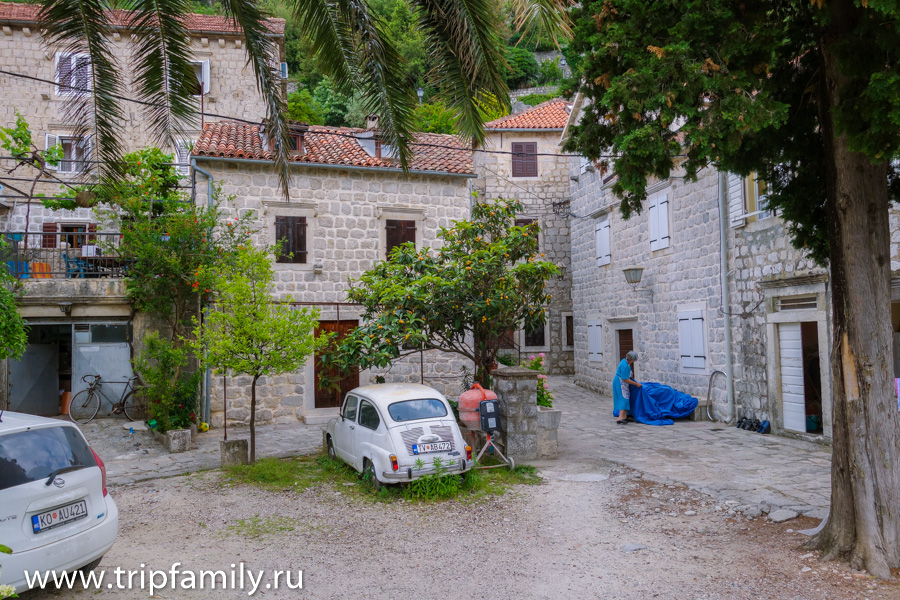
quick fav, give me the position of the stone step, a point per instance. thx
(320, 416)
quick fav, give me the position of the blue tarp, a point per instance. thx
(658, 404)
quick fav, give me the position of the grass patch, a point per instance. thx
(299, 473)
(257, 527)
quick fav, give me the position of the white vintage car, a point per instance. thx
(393, 432)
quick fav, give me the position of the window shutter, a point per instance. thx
(204, 73)
(92, 228)
(408, 232)
(691, 341)
(299, 235)
(603, 244)
(662, 220)
(51, 140)
(699, 347)
(183, 157)
(531, 169)
(63, 72)
(735, 189)
(282, 236)
(654, 227)
(518, 159)
(595, 340)
(81, 68)
(49, 241)
(391, 235)
(684, 340)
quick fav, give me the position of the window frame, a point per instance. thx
(403, 225)
(344, 408)
(274, 209)
(204, 82)
(291, 255)
(524, 155)
(692, 325)
(386, 214)
(567, 343)
(69, 89)
(52, 139)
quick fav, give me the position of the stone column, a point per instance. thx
(516, 389)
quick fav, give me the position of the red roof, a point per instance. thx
(122, 18)
(552, 114)
(336, 146)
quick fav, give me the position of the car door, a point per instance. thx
(345, 430)
(368, 424)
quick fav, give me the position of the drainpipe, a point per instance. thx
(723, 271)
(207, 377)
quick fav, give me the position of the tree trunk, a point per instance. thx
(864, 522)
(253, 419)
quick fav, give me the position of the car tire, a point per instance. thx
(91, 566)
(331, 453)
(369, 475)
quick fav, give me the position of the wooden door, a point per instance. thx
(332, 398)
(626, 345)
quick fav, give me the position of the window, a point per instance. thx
(73, 74)
(524, 159)
(659, 222)
(411, 410)
(290, 232)
(626, 342)
(368, 415)
(757, 198)
(75, 152)
(536, 337)
(508, 340)
(568, 330)
(747, 199)
(692, 340)
(201, 76)
(350, 407)
(398, 232)
(284, 70)
(183, 157)
(525, 222)
(735, 191)
(595, 340)
(601, 228)
(73, 241)
(36, 454)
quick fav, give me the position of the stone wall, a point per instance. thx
(683, 276)
(346, 212)
(537, 194)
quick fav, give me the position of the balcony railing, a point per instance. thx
(73, 255)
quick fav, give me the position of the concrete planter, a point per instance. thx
(234, 452)
(548, 432)
(174, 440)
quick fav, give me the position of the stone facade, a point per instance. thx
(346, 211)
(538, 195)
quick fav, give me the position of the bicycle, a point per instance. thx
(86, 403)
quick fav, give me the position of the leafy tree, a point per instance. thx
(521, 68)
(13, 329)
(807, 94)
(302, 107)
(248, 332)
(347, 40)
(485, 279)
(434, 118)
(333, 104)
(549, 71)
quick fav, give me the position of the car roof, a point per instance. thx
(383, 394)
(14, 421)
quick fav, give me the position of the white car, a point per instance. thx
(55, 512)
(393, 433)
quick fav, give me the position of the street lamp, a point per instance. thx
(420, 93)
(633, 276)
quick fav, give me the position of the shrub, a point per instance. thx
(535, 99)
(434, 118)
(434, 486)
(549, 71)
(302, 107)
(171, 393)
(544, 395)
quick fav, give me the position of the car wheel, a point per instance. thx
(369, 475)
(331, 453)
(91, 566)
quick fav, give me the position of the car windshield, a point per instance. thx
(34, 454)
(410, 410)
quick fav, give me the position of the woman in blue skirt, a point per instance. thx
(621, 392)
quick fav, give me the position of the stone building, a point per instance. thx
(79, 324)
(349, 205)
(521, 159)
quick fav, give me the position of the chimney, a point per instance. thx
(372, 122)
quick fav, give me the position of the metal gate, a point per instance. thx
(101, 349)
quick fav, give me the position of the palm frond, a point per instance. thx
(465, 50)
(330, 39)
(262, 55)
(548, 17)
(163, 74)
(83, 26)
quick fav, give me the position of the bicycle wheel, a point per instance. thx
(133, 405)
(84, 406)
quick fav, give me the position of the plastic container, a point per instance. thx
(469, 406)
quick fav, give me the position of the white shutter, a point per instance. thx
(662, 220)
(183, 156)
(284, 70)
(204, 73)
(691, 341)
(654, 226)
(793, 403)
(50, 140)
(601, 227)
(684, 340)
(698, 342)
(595, 340)
(735, 190)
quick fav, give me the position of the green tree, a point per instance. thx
(13, 329)
(521, 69)
(303, 107)
(347, 39)
(807, 94)
(249, 333)
(434, 118)
(485, 279)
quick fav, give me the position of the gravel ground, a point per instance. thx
(602, 532)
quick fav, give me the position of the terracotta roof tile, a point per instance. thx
(552, 114)
(336, 146)
(122, 18)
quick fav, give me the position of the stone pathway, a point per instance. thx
(745, 470)
(135, 458)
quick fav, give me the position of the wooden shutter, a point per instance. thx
(524, 159)
(81, 71)
(595, 340)
(92, 228)
(63, 72)
(601, 227)
(398, 232)
(49, 241)
(734, 186)
(291, 232)
(691, 340)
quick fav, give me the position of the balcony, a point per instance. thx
(65, 255)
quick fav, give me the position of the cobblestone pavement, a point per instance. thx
(745, 470)
(135, 458)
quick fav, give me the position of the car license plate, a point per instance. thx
(59, 516)
(433, 447)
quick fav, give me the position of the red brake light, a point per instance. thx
(102, 470)
(468, 452)
(394, 464)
